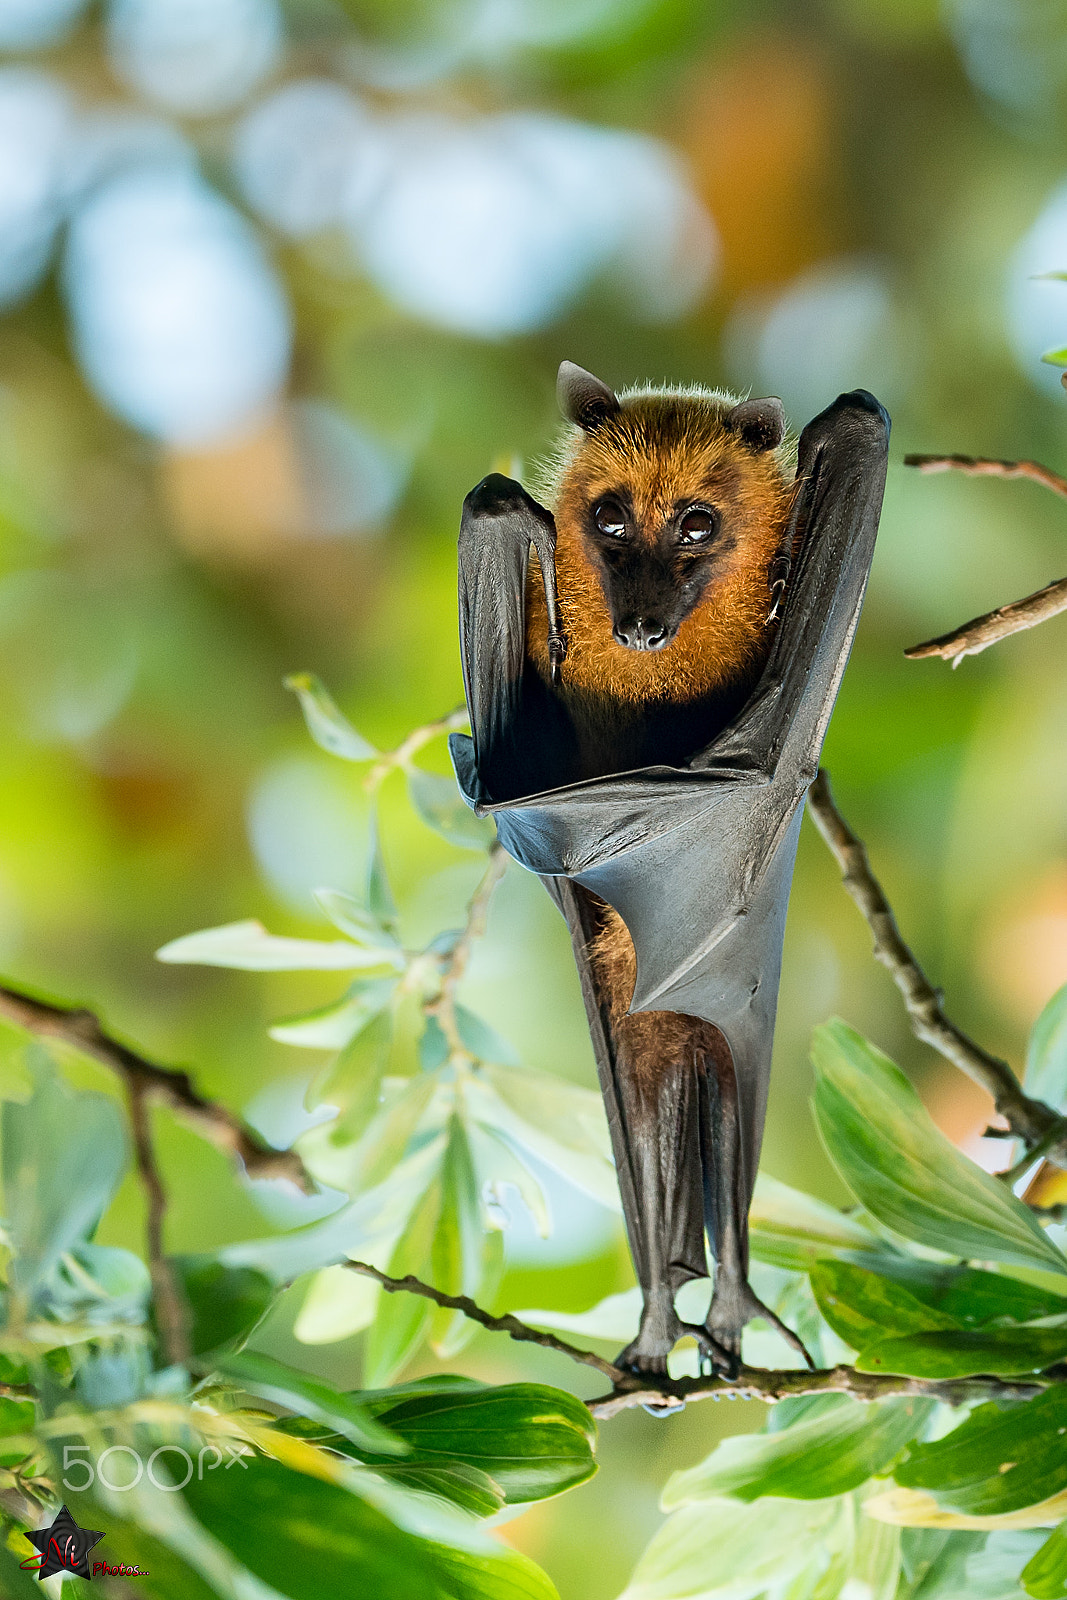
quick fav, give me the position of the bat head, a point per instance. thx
(673, 502)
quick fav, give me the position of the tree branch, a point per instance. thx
(1030, 1120)
(80, 1028)
(172, 1310)
(971, 638)
(444, 1006)
(987, 467)
(452, 722)
(505, 1324)
(752, 1383)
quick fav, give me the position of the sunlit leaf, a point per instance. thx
(829, 1455)
(532, 1440)
(311, 1397)
(560, 1123)
(327, 725)
(380, 900)
(790, 1229)
(507, 1575)
(918, 1508)
(722, 1550)
(248, 947)
(16, 1079)
(332, 1027)
(346, 913)
(62, 1156)
(296, 1533)
(900, 1166)
(1056, 358)
(1045, 1574)
(997, 1461)
(862, 1307)
(352, 1080)
(439, 803)
(483, 1041)
(461, 1485)
(498, 1165)
(966, 1352)
(402, 1319)
(1046, 1055)
(458, 1246)
(338, 1304)
(226, 1302)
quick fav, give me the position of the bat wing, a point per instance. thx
(698, 860)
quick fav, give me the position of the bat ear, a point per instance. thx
(759, 423)
(582, 398)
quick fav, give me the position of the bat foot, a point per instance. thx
(732, 1308)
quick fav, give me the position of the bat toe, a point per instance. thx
(732, 1308)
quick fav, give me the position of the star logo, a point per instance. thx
(64, 1547)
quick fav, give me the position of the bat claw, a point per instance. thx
(728, 1315)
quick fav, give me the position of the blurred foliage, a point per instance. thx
(871, 169)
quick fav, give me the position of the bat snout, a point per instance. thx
(642, 633)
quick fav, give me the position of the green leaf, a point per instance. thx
(311, 1397)
(966, 1352)
(1055, 358)
(439, 803)
(332, 1027)
(532, 1440)
(560, 1123)
(402, 1319)
(304, 1537)
(483, 1041)
(1046, 1057)
(862, 1307)
(327, 725)
(248, 947)
(720, 1550)
(974, 1297)
(508, 1575)
(62, 1156)
(14, 1583)
(1045, 1574)
(458, 1249)
(352, 1081)
(996, 1461)
(881, 1139)
(226, 1302)
(16, 1079)
(346, 913)
(460, 1485)
(812, 1460)
(791, 1229)
(380, 900)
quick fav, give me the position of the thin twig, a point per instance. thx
(443, 1007)
(172, 1310)
(453, 722)
(971, 638)
(505, 1324)
(752, 1383)
(986, 467)
(1029, 1120)
(80, 1028)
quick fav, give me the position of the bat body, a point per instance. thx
(647, 703)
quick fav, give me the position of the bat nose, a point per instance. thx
(641, 633)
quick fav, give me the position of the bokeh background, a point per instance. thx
(279, 280)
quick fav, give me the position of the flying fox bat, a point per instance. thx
(647, 703)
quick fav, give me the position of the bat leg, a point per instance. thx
(733, 1302)
(662, 1113)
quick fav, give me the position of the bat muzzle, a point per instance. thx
(642, 633)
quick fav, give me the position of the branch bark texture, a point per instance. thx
(1030, 1120)
(75, 1026)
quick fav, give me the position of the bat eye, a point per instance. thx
(698, 525)
(610, 520)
